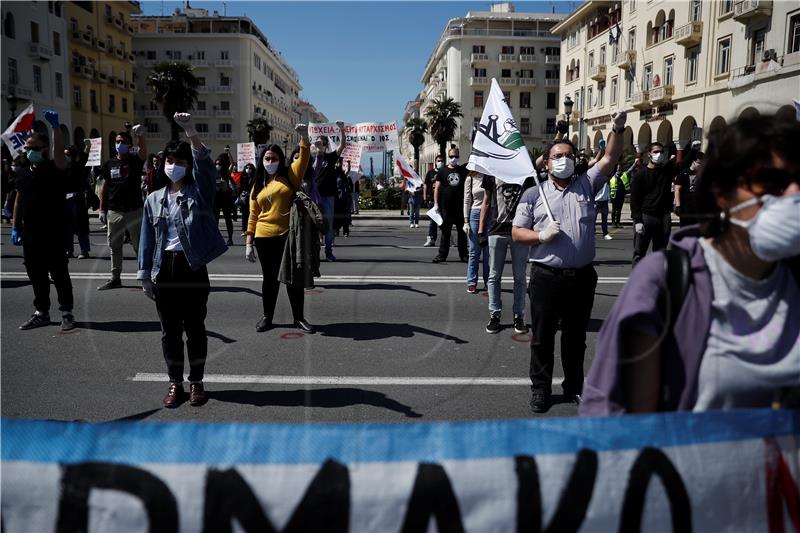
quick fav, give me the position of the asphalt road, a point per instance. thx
(399, 340)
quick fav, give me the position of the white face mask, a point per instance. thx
(774, 231)
(453, 161)
(271, 168)
(174, 172)
(562, 168)
(439, 164)
(657, 157)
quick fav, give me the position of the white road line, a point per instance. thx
(100, 276)
(348, 380)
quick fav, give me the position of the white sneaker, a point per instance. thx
(607, 237)
(411, 226)
(416, 225)
(430, 242)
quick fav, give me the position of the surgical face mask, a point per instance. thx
(657, 157)
(744, 205)
(122, 148)
(271, 168)
(563, 168)
(34, 156)
(453, 161)
(774, 231)
(174, 172)
(439, 164)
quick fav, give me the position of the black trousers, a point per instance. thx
(224, 204)
(444, 244)
(562, 298)
(270, 253)
(616, 210)
(43, 257)
(181, 300)
(657, 230)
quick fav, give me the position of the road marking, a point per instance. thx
(321, 280)
(348, 380)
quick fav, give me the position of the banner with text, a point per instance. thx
(245, 153)
(95, 153)
(361, 138)
(17, 132)
(715, 471)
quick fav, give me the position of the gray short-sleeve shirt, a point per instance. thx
(573, 208)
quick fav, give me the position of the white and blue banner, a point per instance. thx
(724, 471)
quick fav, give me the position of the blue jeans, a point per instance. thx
(498, 244)
(414, 200)
(326, 206)
(601, 208)
(475, 251)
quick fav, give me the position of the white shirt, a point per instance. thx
(173, 242)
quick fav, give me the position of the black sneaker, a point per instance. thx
(113, 283)
(519, 325)
(263, 325)
(438, 259)
(540, 402)
(36, 321)
(494, 324)
(67, 322)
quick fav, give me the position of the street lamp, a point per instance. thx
(568, 103)
(285, 144)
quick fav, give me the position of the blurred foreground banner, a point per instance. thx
(726, 471)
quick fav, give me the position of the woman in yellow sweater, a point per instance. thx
(270, 204)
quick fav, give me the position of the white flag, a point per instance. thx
(18, 131)
(796, 108)
(498, 149)
(413, 180)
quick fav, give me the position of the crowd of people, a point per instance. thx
(711, 322)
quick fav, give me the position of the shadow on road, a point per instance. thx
(143, 326)
(370, 331)
(135, 417)
(14, 283)
(375, 287)
(236, 289)
(328, 398)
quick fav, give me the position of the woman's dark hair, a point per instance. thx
(261, 172)
(733, 154)
(177, 150)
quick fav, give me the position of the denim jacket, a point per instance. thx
(197, 226)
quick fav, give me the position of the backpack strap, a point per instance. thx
(678, 277)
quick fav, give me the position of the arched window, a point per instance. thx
(8, 26)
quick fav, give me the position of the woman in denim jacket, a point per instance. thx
(179, 237)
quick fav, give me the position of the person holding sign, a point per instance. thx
(326, 176)
(179, 237)
(556, 219)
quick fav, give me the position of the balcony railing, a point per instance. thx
(479, 80)
(508, 58)
(200, 113)
(17, 90)
(527, 82)
(223, 63)
(626, 59)
(552, 60)
(598, 72)
(748, 9)
(199, 62)
(662, 94)
(223, 113)
(223, 136)
(689, 34)
(527, 58)
(37, 50)
(508, 81)
(551, 82)
(153, 113)
(203, 135)
(475, 58)
(223, 89)
(202, 89)
(641, 100)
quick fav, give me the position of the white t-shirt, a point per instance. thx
(753, 344)
(173, 242)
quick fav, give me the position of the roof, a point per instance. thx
(578, 14)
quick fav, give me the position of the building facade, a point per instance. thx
(242, 76)
(101, 83)
(518, 49)
(309, 113)
(35, 62)
(680, 69)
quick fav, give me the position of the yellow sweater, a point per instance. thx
(269, 211)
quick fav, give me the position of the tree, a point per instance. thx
(417, 128)
(259, 129)
(442, 115)
(175, 90)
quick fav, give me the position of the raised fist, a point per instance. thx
(619, 117)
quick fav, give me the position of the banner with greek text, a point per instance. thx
(363, 137)
(95, 153)
(715, 471)
(245, 153)
(14, 136)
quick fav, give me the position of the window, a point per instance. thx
(759, 45)
(37, 78)
(76, 97)
(56, 43)
(591, 59)
(527, 73)
(527, 50)
(668, 68)
(124, 105)
(577, 100)
(551, 100)
(201, 127)
(507, 50)
(628, 88)
(200, 55)
(525, 126)
(632, 39)
(152, 127)
(477, 99)
(794, 35)
(59, 85)
(725, 7)
(34, 32)
(256, 61)
(112, 104)
(57, 9)
(225, 105)
(505, 73)
(723, 56)
(224, 80)
(696, 10)
(589, 97)
(692, 58)
(614, 53)
(548, 74)
(633, 6)
(201, 80)
(13, 74)
(479, 72)
(602, 55)
(201, 105)
(507, 98)
(601, 95)
(223, 54)
(612, 100)
(525, 100)
(108, 11)
(648, 76)
(478, 49)
(551, 125)
(8, 26)
(151, 55)
(225, 128)
(93, 99)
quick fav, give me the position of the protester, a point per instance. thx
(497, 214)
(151, 167)
(77, 216)
(448, 199)
(246, 177)
(427, 198)
(473, 200)
(562, 279)
(343, 203)
(601, 208)
(179, 237)
(121, 199)
(414, 203)
(651, 198)
(618, 189)
(309, 187)
(267, 231)
(729, 337)
(685, 193)
(38, 222)
(225, 193)
(326, 175)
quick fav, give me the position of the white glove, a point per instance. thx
(466, 228)
(696, 144)
(549, 233)
(639, 228)
(184, 120)
(103, 218)
(619, 117)
(137, 130)
(250, 253)
(147, 288)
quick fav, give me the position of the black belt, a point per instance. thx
(567, 272)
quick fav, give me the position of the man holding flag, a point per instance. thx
(413, 189)
(557, 220)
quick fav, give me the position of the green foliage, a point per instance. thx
(387, 198)
(442, 115)
(174, 89)
(259, 130)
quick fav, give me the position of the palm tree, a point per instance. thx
(174, 89)
(416, 128)
(259, 129)
(442, 115)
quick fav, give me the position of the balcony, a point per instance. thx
(478, 80)
(661, 95)
(508, 81)
(747, 10)
(203, 135)
(220, 136)
(200, 113)
(131, 58)
(552, 82)
(102, 76)
(119, 24)
(641, 100)
(87, 38)
(223, 113)
(199, 63)
(552, 60)
(119, 52)
(223, 63)
(478, 58)
(689, 34)
(121, 83)
(508, 58)
(527, 58)
(223, 89)
(527, 82)
(626, 59)
(132, 86)
(202, 89)
(153, 113)
(101, 46)
(598, 73)
(17, 90)
(38, 51)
